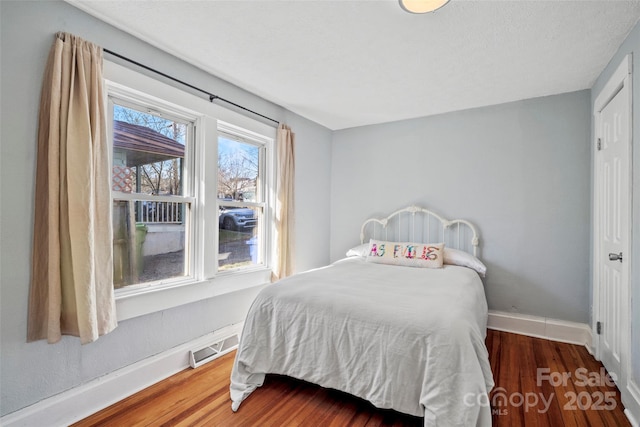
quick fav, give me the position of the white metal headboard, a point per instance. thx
(403, 226)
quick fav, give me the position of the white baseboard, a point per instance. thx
(63, 409)
(631, 402)
(541, 327)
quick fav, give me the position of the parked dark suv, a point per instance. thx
(236, 219)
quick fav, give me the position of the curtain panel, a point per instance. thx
(285, 176)
(71, 289)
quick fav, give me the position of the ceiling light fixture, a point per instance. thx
(422, 6)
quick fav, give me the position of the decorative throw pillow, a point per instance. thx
(426, 255)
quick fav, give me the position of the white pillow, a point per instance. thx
(360, 250)
(464, 259)
(426, 255)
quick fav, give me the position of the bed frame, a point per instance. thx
(416, 224)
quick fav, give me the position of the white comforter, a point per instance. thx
(410, 339)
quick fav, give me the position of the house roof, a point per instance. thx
(144, 145)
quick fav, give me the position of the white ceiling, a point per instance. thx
(352, 63)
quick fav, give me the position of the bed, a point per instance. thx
(405, 338)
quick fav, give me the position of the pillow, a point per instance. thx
(360, 250)
(457, 257)
(429, 255)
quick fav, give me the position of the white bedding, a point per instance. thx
(410, 339)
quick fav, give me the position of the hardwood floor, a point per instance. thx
(515, 360)
(523, 396)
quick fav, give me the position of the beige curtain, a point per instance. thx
(283, 265)
(71, 281)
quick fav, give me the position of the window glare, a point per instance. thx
(146, 251)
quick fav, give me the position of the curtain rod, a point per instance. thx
(212, 97)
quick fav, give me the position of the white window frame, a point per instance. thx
(123, 97)
(200, 161)
(265, 145)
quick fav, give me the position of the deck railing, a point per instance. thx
(159, 212)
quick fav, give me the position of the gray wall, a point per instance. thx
(631, 45)
(519, 171)
(31, 372)
(313, 177)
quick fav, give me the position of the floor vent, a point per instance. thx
(211, 352)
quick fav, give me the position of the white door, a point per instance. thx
(613, 161)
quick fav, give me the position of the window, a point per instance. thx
(152, 200)
(241, 199)
(192, 192)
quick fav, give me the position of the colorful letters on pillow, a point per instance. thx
(426, 255)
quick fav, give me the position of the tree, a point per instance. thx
(237, 169)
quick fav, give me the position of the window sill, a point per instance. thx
(150, 300)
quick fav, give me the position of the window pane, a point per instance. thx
(240, 227)
(148, 235)
(240, 237)
(147, 251)
(148, 153)
(238, 170)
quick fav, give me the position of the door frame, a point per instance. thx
(620, 80)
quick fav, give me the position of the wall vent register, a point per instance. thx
(211, 352)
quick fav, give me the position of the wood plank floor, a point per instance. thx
(200, 397)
